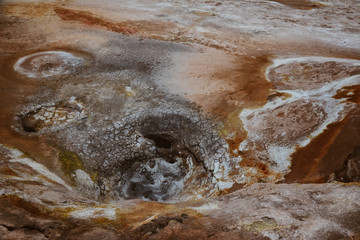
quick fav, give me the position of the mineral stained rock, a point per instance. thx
(179, 119)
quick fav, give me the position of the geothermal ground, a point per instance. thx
(179, 119)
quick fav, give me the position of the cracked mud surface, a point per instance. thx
(179, 119)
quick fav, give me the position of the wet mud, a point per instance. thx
(138, 121)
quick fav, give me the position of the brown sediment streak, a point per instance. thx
(234, 127)
(251, 91)
(300, 4)
(350, 93)
(15, 201)
(306, 161)
(5, 170)
(310, 164)
(91, 20)
(157, 30)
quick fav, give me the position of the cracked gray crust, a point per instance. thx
(109, 146)
(123, 114)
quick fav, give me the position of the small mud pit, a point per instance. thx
(159, 178)
(53, 116)
(165, 161)
(47, 64)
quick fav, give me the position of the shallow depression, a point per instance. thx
(47, 64)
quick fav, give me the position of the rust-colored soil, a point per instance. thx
(225, 52)
(351, 94)
(14, 90)
(91, 20)
(306, 161)
(249, 89)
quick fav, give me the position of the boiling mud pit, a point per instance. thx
(154, 120)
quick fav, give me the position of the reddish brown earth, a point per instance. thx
(218, 60)
(88, 19)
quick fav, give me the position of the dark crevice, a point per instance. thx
(29, 125)
(350, 171)
(8, 228)
(160, 141)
